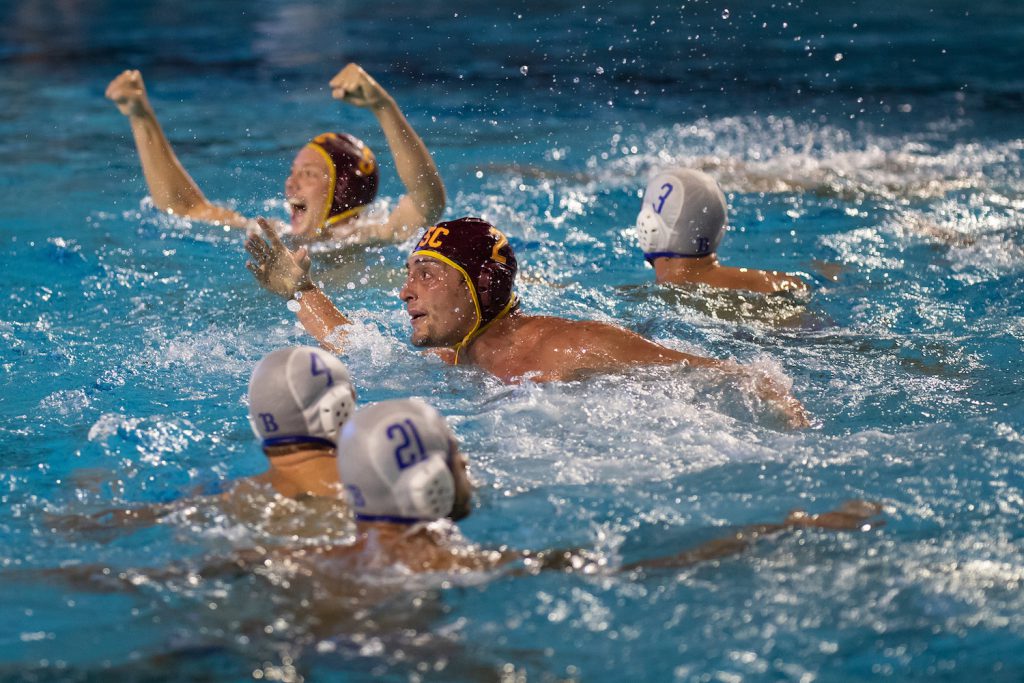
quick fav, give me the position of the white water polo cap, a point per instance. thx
(683, 215)
(394, 459)
(300, 395)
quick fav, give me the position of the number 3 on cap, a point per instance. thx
(667, 187)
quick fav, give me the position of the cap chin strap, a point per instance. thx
(477, 330)
(650, 256)
(331, 185)
(297, 439)
(337, 218)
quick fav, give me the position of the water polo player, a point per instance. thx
(680, 225)
(461, 304)
(299, 397)
(403, 474)
(333, 179)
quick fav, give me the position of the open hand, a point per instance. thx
(853, 515)
(353, 85)
(128, 92)
(770, 390)
(277, 269)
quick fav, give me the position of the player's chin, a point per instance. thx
(421, 340)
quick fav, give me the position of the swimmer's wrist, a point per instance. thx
(303, 286)
(141, 110)
(384, 103)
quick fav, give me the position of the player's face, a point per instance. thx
(438, 301)
(306, 190)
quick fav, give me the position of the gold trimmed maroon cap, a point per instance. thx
(482, 254)
(353, 174)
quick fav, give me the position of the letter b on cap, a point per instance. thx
(269, 424)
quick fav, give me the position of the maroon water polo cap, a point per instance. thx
(482, 254)
(354, 174)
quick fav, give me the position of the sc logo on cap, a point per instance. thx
(432, 238)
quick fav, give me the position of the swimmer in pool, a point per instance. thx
(681, 223)
(333, 178)
(299, 397)
(460, 300)
(406, 484)
(405, 480)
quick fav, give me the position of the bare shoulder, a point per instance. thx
(761, 281)
(591, 344)
(446, 355)
(563, 331)
(548, 334)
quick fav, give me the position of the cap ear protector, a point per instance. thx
(493, 277)
(426, 490)
(334, 409)
(394, 458)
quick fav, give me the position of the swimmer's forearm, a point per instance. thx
(169, 184)
(716, 549)
(413, 162)
(321, 318)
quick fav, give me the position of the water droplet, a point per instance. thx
(524, 69)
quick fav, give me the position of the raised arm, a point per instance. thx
(170, 185)
(286, 273)
(424, 200)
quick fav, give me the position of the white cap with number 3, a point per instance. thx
(683, 215)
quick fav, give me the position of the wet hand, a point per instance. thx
(128, 92)
(277, 269)
(353, 85)
(853, 515)
(793, 412)
(772, 392)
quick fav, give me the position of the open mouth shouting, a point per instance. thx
(299, 212)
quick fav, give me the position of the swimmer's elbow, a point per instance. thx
(432, 205)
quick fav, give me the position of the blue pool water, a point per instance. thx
(879, 140)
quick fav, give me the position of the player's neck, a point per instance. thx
(684, 269)
(495, 339)
(306, 471)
